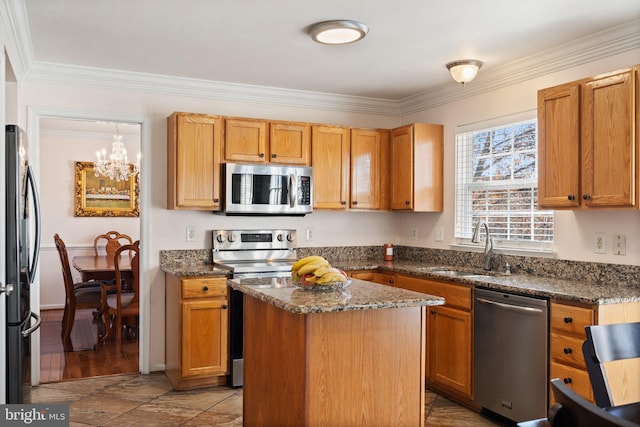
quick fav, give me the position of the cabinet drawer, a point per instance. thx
(570, 319)
(454, 295)
(568, 350)
(577, 379)
(204, 288)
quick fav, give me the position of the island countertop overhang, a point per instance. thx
(360, 295)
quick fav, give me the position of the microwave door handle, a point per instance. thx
(293, 190)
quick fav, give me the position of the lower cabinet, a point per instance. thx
(449, 355)
(196, 331)
(388, 279)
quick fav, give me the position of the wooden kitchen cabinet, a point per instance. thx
(567, 322)
(449, 356)
(262, 141)
(588, 140)
(196, 331)
(388, 279)
(417, 168)
(193, 161)
(369, 166)
(330, 151)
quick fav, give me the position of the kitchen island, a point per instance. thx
(334, 357)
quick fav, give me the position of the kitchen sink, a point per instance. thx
(459, 273)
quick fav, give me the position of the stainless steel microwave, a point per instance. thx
(254, 189)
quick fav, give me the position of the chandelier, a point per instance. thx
(117, 167)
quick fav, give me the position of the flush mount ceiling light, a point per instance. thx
(465, 70)
(338, 32)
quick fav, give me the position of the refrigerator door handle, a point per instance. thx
(32, 329)
(36, 205)
(8, 289)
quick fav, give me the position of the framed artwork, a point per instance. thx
(102, 196)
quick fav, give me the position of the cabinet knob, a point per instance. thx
(216, 200)
(568, 320)
(224, 306)
(343, 203)
(205, 288)
(567, 380)
(433, 311)
(406, 202)
(261, 155)
(273, 156)
(586, 197)
(571, 197)
(355, 202)
(391, 282)
(567, 350)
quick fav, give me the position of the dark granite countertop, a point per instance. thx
(547, 287)
(359, 295)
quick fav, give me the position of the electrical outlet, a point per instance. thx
(414, 233)
(309, 233)
(619, 244)
(600, 243)
(190, 234)
(439, 234)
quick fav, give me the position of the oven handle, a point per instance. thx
(293, 190)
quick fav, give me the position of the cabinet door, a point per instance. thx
(402, 168)
(609, 140)
(193, 161)
(205, 337)
(245, 140)
(450, 348)
(290, 143)
(367, 156)
(330, 160)
(559, 146)
(375, 277)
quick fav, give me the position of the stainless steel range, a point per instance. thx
(250, 254)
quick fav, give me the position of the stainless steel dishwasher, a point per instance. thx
(510, 354)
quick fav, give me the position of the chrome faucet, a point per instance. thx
(488, 247)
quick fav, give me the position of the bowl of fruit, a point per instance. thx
(315, 273)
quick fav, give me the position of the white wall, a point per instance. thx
(58, 153)
(167, 228)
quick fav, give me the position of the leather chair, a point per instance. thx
(608, 343)
(110, 241)
(121, 306)
(572, 410)
(80, 295)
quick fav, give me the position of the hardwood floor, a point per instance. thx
(90, 357)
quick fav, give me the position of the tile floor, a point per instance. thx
(148, 400)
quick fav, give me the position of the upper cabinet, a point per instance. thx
(369, 164)
(193, 161)
(417, 168)
(330, 151)
(589, 141)
(261, 141)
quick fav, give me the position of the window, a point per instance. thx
(497, 182)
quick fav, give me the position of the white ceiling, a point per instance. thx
(265, 43)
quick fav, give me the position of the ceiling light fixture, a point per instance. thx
(117, 167)
(465, 70)
(338, 32)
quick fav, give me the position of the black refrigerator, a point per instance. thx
(22, 250)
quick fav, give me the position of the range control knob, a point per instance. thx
(231, 238)
(291, 237)
(280, 238)
(220, 238)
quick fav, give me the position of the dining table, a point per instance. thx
(102, 267)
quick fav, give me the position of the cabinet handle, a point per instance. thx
(567, 380)
(273, 156)
(224, 306)
(216, 200)
(567, 350)
(571, 197)
(355, 202)
(261, 155)
(586, 197)
(568, 320)
(343, 203)
(205, 288)
(406, 202)
(433, 311)
(392, 281)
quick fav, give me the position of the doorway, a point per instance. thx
(62, 139)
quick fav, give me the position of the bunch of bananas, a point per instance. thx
(315, 270)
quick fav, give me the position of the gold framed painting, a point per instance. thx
(102, 196)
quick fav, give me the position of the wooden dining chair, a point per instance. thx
(80, 295)
(572, 410)
(121, 306)
(110, 241)
(608, 343)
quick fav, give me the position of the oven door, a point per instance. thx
(251, 189)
